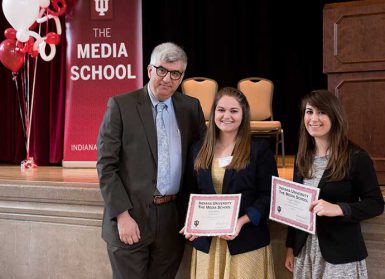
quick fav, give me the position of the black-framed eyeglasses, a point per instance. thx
(162, 72)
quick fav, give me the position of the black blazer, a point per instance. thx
(358, 194)
(127, 155)
(253, 182)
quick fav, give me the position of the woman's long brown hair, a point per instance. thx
(241, 153)
(338, 164)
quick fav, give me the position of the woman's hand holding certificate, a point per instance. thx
(324, 208)
(292, 204)
(212, 215)
(241, 221)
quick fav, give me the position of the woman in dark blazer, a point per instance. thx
(228, 161)
(349, 193)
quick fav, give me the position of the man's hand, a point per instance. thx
(128, 229)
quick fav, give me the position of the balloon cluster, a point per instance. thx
(24, 16)
(22, 45)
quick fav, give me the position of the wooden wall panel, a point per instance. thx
(354, 36)
(354, 61)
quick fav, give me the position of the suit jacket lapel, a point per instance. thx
(298, 178)
(207, 180)
(181, 115)
(226, 180)
(147, 118)
(323, 179)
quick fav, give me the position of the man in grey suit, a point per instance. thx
(141, 217)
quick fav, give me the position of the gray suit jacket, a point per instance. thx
(127, 155)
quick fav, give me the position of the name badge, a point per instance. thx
(225, 161)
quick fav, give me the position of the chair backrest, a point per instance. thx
(204, 89)
(259, 94)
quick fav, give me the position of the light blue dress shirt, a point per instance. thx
(174, 138)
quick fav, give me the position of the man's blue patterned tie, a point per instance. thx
(163, 150)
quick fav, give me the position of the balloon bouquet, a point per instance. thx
(23, 45)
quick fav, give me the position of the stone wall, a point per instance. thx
(51, 230)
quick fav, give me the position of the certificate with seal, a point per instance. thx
(290, 203)
(212, 215)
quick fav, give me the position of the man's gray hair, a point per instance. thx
(169, 53)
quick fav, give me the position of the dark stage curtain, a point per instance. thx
(231, 40)
(46, 140)
(226, 40)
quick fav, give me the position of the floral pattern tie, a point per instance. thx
(163, 150)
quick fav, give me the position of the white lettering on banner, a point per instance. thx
(99, 72)
(83, 147)
(103, 50)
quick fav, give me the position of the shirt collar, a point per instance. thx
(155, 101)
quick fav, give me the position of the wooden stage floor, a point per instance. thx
(49, 174)
(82, 175)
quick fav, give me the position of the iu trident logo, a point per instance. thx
(196, 223)
(101, 6)
(101, 9)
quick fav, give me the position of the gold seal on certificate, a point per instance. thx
(212, 215)
(290, 203)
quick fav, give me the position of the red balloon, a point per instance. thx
(10, 33)
(26, 47)
(10, 55)
(34, 53)
(59, 7)
(52, 38)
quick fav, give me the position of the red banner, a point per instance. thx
(104, 58)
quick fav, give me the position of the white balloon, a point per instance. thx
(21, 14)
(44, 3)
(22, 35)
(51, 54)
